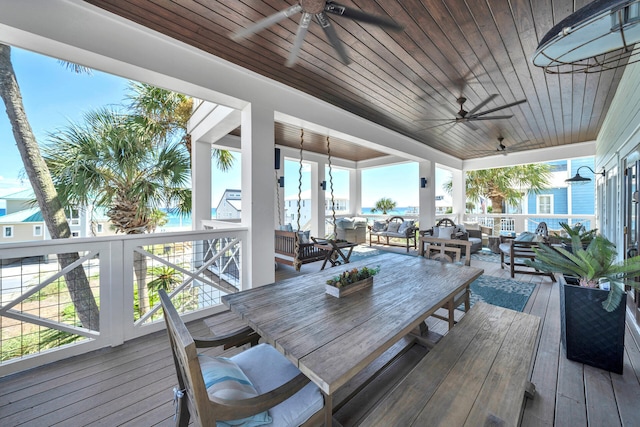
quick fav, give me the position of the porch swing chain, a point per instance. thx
(278, 199)
(296, 261)
(333, 202)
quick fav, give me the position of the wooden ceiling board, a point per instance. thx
(405, 80)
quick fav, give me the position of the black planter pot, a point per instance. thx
(590, 334)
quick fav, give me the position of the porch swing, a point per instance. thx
(293, 247)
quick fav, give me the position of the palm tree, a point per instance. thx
(167, 113)
(504, 185)
(113, 160)
(384, 205)
(45, 192)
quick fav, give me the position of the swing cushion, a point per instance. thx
(304, 236)
(286, 227)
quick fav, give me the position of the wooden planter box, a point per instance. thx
(346, 290)
(590, 334)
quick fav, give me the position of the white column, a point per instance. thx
(201, 183)
(427, 196)
(459, 195)
(355, 191)
(257, 143)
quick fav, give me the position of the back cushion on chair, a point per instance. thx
(445, 232)
(406, 225)
(379, 226)
(393, 227)
(224, 379)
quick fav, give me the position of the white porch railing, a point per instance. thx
(38, 318)
(517, 223)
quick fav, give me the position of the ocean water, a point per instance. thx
(181, 222)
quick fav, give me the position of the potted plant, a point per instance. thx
(592, 287)
(351, 281)
(578, 230)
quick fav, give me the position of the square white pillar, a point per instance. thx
(459, 196)
(427, 195)
(258, 189)
(355, 191)
(201, 183)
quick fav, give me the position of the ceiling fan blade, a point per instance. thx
(266, 22)
(498, 108)
(474, 118)
(438, 125)
(482, 104)
(338, 9)
(469, 125)
(324, 22)
(433, 120)
(303, 27)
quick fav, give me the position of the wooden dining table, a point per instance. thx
(332, 339)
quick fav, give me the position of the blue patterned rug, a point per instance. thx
(506, 293)
(493, 290)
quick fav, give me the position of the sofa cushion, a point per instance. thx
(393, 227)
(286, 227)
(379, 226)
(345, 223)
(526, 236)
(405, 226)
(445, 232)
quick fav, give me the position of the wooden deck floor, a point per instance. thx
(132, 384)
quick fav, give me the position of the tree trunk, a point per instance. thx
(496, 208)
(45, 192)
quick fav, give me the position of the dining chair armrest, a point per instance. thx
(242, 335)
(242, 408)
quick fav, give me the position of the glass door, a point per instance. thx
(631, 225)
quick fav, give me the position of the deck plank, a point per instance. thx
(131, 384)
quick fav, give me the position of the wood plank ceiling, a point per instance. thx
(448, 49)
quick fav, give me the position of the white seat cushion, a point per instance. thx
(267, 369)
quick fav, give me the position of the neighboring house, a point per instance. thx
(24, 225)
(230, 205)
(444, 204)
(23, 222)
(291, 207)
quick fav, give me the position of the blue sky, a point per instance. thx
(53, 96)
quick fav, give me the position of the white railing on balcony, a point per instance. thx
(517, 223)
(41, 320)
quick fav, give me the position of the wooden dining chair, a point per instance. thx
(448, 250)
(258, 386)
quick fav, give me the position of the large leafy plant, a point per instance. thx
(596, 261)
(578, 230)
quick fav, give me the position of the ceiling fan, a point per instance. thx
(467, 117)
(504, 149)
(317, 9)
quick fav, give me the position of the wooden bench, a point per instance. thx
(477, 375)
(285, 245)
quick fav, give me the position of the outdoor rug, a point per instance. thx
(505, 293)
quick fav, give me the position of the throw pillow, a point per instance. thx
(224, 379)
(445, 232)
(379, 226)
(393, 227)
(435, 231)
(406, 225)
(286, 227)
(525, 236)
(304, 236)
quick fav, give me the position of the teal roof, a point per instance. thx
(26, 215)
(20, 195)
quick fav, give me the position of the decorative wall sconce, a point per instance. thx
(581, 179)
(423, 182)
(323, 185)
(277, 159)
(281, 181)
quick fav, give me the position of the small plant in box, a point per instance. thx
(352, 276)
